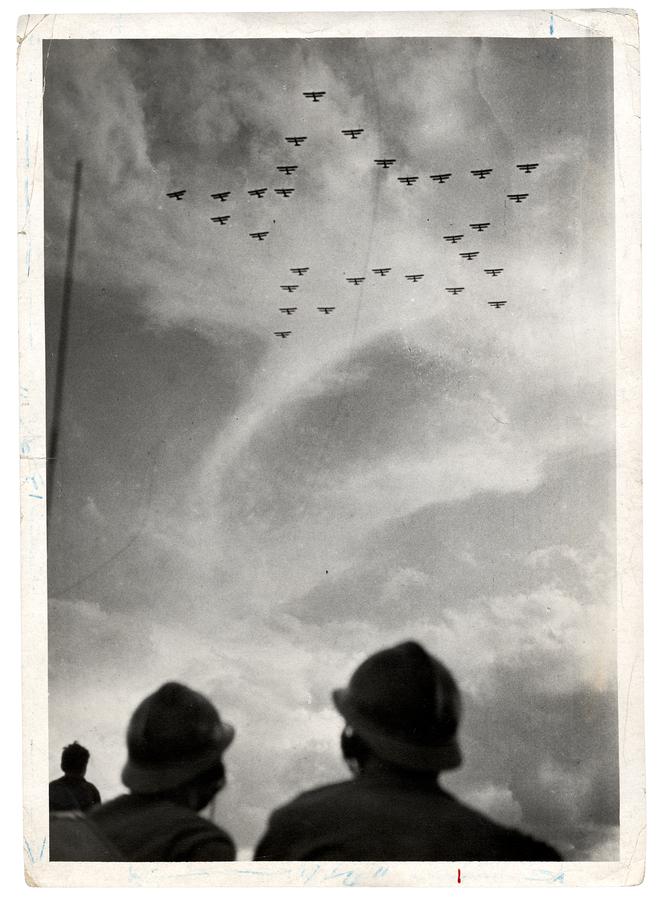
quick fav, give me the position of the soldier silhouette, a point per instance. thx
(402, 711)
(176, 741)
(72, 791)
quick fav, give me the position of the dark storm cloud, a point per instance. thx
(474, 547)
(561, 776)
(127, 382)
(196, 108)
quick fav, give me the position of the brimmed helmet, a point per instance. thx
(173, 735)
(405, 704)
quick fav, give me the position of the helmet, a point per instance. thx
(405, 705)
(173, 735)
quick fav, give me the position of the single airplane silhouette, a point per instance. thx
(282, 334)
(314, 95)
(221, 219)
(479, 226)
(221, 196)
(497, 303)
(441, 178)
(517, 197)
(409, 179)
(353, 133)
(296, 140)
(176, 195)
(287, 170)
(493, 272)
(481, 173)
(385, 163)
(382, 272)
(301, 271)
(258, 192)
(414, 278)
(284, 192)
(356, 280)
(289, 287)
(528, 167)
(326, 309)
(455, 290)
(471, 255)
(453, 238)
(289, 310)
(259, 235)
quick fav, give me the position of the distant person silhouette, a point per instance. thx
(402, 710)
(72, 791)
(176, 740)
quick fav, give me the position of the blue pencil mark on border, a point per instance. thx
(201, 873)
(345, 875)
(28, 257)
(547, 875)
(307, 878)
(43, 849)
(551, 25)
(253, 872)
(28, 848)
(36, 496)
(27, 146)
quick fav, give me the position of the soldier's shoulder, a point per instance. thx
(513, 843)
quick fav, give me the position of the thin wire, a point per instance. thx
(63, 343)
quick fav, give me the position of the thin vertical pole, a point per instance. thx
(62, 346)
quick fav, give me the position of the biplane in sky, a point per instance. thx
(259, 235)
(289, 287)
(287, 170)
(493, 272)
(441, 178)
(284, 192)
(221, 219)
(289, 310)
(296, 141)
(517, 197)
(326, 309)
(221, 196)
(314, 95)
(496, 303)
(414, 278)
(455, 290)
(453, 238)
(481, 173)
(382, 272)
(528, 167)
(409, 179)
(356, 280)
(353, 133)
(300, 271)
(282, 334)
(257, 192)
(385, 163)
(176, 195)
(479, 226)
(472, 254)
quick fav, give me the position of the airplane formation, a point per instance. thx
(385, 163)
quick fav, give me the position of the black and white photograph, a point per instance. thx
(329, 494)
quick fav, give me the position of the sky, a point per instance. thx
(254, 515)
